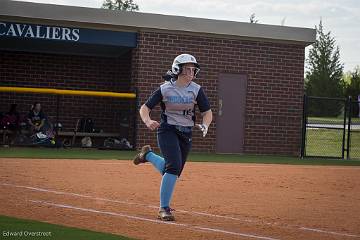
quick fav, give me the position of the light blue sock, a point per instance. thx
(167, 189)
(157, 161)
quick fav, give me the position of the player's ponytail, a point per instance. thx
(169, 75)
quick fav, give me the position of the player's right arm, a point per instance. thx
(145, 117)
(154, 99)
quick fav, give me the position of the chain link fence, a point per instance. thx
(354, 133)
(331, 128)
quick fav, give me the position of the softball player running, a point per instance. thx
(177, 97)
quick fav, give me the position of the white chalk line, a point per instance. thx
(76, 195)
(335, 233)
(151, 220)
(123, 202)
(103, 212)
(182, 211)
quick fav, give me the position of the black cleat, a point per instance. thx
(140, 157)
(166, 215)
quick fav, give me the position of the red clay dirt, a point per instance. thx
(212, 200)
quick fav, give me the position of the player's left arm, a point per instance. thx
(205, 110)
(207, 117)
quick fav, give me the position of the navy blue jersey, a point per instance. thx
(178, 103)
(36, 118)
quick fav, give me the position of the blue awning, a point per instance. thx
(56, 39)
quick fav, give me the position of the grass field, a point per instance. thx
(328, 143)
(194, 157)
(324, 142)
(333, 120)
(33, 230)
(355, 145)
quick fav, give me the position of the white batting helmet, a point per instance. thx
(176, 67)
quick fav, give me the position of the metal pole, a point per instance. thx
(344, 129)
(57, 119)
(135, 118)
(349, 130)
(304, 122)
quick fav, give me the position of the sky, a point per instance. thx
(341, 17)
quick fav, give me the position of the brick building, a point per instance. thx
(252, 73)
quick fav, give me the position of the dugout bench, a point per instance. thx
(77, 134)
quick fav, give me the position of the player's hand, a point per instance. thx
(152, 125)
(204, 128)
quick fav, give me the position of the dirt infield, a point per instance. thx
(212, 200)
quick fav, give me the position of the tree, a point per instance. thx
(324, 73)
(352, 89)
(253, 19)
(126, 5)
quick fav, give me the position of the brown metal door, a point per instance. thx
(231, 113)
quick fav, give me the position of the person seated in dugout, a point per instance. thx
(11, 119)
(36, 119)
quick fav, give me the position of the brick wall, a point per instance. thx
(22, 69)
(274, 94)
(273, 101)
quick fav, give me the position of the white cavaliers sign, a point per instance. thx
(39, 32)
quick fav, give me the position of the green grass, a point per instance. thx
(324, 142)
(337, 120)
(95, 154)
(355, 120)
(328, 143)
(49, 231)
(261, 159)
(334, 120)
(355, 144)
